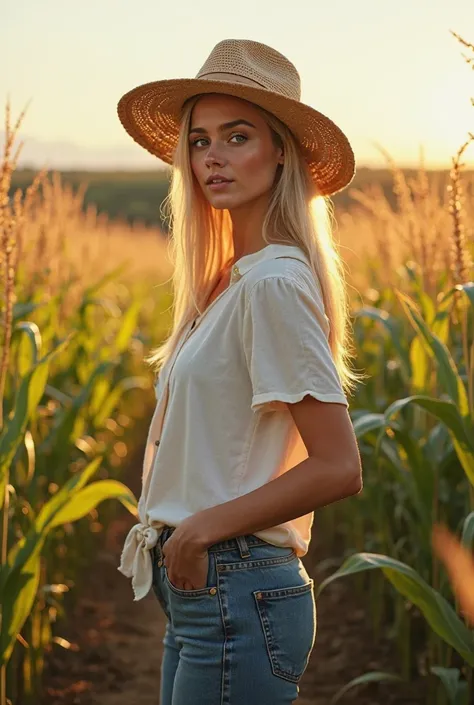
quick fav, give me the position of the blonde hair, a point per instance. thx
(202, 245)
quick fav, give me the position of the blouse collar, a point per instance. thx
(272, 251)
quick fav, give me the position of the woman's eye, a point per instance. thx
(239, 135)
(200, 139)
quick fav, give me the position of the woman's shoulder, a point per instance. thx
(281, 272)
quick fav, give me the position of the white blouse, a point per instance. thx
(260, 345)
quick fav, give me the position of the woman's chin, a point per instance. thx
(221, 201)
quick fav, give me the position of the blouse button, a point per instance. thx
(235, 272)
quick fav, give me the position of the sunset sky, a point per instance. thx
(385, 72)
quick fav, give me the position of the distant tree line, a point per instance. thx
(138, 195)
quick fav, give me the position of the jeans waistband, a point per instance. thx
(242, 543)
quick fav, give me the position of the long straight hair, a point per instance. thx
(201, 241)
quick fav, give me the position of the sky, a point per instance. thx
(387, 73)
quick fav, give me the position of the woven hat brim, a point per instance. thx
(150, 113)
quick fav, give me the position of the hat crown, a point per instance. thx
(244, 60)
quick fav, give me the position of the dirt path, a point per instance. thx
(120, 648)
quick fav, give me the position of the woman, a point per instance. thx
(253, 377)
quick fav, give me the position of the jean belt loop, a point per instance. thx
(243, 546)
(157, 549)
(165, 534)
(159, 544)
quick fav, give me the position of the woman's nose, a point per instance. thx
(212, 157)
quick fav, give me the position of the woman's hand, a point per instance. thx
(459, 563)
(186, 556)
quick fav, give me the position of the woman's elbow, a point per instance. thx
(354, 483)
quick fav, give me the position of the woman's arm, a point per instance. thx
(330, 473)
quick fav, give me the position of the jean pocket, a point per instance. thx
(209, 588)
(288, 619)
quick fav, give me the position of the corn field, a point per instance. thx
(72, 383)
(80, 307)
(414, 420)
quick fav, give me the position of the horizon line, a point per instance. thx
(166, 168)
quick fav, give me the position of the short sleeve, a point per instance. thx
(285, 341)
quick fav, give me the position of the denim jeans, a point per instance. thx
(245, 638)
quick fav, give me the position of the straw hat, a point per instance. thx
(150, 113)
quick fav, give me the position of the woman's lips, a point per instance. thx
(218, 186)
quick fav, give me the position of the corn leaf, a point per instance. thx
(394, 329)
(367, 422)
(20, 582)
(437, 611)
(110, 403)
(28, 346)
(468, 290)
(446, 412)
(448, 376)
(27, 399)
(467, 538)
(129, 322)
(456, 690)
(372, 677)
(89, 497)
(17, 601)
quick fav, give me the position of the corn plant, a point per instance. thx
(415, 425)
(67, 373)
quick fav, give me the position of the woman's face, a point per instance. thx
(242, 152)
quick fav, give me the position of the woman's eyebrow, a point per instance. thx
(224, 126)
